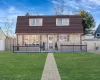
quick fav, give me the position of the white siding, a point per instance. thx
(2, 35)
(2, 43)
(20, 40)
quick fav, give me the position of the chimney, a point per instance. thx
(27, 14)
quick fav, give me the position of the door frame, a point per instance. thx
(52, 41)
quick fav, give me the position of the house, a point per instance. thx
(2, 40)
(92, 40)
(97, 32)
(49, 31)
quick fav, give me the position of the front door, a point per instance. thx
(50, 42)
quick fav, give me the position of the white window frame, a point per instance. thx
(97, 34)
(63, 38)
(30, 21)
(28, 37)
(62, 22)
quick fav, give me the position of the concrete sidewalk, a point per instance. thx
(50, 71)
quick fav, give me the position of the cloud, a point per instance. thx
(55, 2)
(11, 13)
(11, 9)
(96, 12)
(77, 5)
(97, 2)
(6, 3)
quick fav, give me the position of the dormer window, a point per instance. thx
(62, 21)
(35, 22)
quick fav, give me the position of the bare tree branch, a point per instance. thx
(59, 7)
(8, 23)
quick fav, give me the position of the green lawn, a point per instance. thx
(21, 66)
(78, 66)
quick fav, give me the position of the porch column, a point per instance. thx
(22, 39)
(58, 46)
(40, 39)
(57, 37)
(47, 41)
(81, 39)
(17, 39)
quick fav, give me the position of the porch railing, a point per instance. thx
(74, 48)
(26, 49)
(62, 48)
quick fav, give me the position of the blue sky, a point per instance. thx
(14, 8)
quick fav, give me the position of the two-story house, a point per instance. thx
(49, 30)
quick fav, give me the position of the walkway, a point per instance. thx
(50, 71)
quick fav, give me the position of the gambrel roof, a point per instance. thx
(49, 24)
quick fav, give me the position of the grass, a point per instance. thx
(21, 66)
(78, 66)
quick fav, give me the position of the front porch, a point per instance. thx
(48, 43)
(45, 41)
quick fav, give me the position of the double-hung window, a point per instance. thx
(62, 21)
(63, 37)
(35, 22)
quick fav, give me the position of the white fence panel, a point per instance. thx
(2, 45)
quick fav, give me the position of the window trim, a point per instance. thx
(30, 21)
(62, 21)
(63, 35)
(97, 34)
(28, 38)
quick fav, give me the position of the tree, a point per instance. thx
(8, 29)
(8, 23)
(59, 7)
(87, 21)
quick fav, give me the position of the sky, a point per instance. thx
(13, 8)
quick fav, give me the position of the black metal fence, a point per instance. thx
(26, 49)
(74, 48)
(63, 48)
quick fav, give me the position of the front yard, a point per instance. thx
(78, 66)
(21, 66)
(29, 66)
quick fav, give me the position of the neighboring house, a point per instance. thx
(88, 37)
(92, 40)
(49, 30)
(97, 32)
(2, 40)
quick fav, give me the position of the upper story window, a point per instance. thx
(62, 21)
(35, 22)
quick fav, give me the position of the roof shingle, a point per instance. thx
(49, 24)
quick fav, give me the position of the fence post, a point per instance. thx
(86, 46)
(73, 47)
(81, 47)
(13, 48)
(40, 47)
(61, 47)
(95, 46)
(26, 48)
